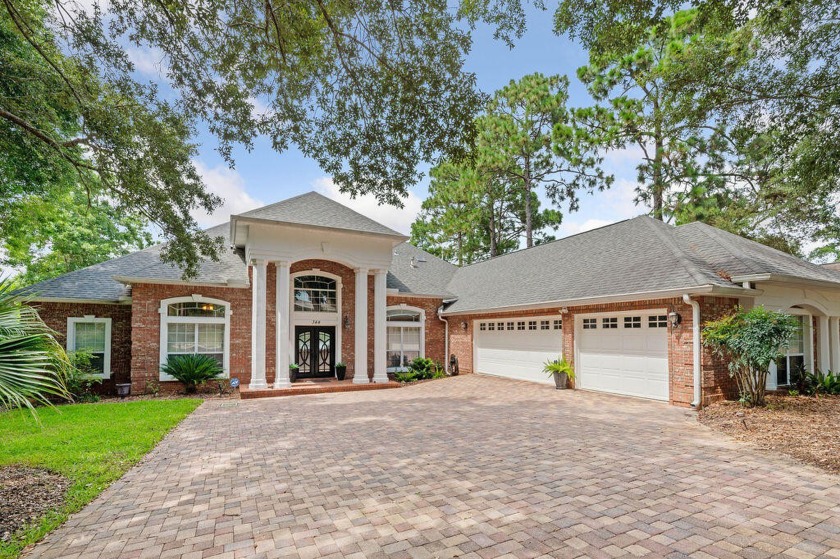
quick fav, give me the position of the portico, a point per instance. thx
(319, 298)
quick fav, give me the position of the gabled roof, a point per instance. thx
(625, 258)
(98, 283)
(316, 210)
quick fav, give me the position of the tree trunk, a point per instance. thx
(658, 186)
(529, 220)
(460, 249)
(494, 247)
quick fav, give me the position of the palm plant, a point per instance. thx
(192, 369)
(32, 363)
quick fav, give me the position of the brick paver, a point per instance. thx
(469, 467)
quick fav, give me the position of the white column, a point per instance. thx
(360, 374)
(823, 352)
(282, 345)
(258, 293)
(834, 343)
(380, 372)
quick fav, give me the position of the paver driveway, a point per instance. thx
(469, 467)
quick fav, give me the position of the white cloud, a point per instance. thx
(148, 61)
(399, 219)
(228, 185)
(602, 208)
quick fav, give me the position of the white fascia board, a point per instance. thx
(786, 279)
(131, 280)
(122, 301)
(664, 294)
(272, 223)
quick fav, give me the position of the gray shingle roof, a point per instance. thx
(428, 276)
(317, 210)
(633, 256)
(736, 256)
(97, 282)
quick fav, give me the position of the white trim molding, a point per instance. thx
(72, 321)
(166, 320)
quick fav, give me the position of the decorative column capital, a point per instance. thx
(361, 271)
(282, 263)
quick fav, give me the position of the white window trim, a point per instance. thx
(421, 325)
(71, 340)
(165, 320)
(808, 346)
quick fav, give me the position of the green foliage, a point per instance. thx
(559, 366)
(80, 378)
(86, 133)
(420, 368)
(755, 85)
(92, 445)
(32, 363)
(750, 341)
(192, 369)
(818, 382)
(63, 230)
(527, 141)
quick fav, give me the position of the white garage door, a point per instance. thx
(518, 348)
(624, 353)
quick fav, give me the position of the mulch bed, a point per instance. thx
(803, 427)
(26, 494)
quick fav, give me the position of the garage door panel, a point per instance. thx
(629, 361)
(517, 354)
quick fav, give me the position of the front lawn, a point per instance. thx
(89, 444)
(803, 427)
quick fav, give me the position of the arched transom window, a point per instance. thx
(405, 342)
(315, 293)
(192, 325)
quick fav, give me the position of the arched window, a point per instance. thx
(314, 293)
(192, 325)
(406, 336)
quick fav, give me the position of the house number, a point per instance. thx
(316, 322)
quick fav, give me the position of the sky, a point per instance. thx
(263, 176)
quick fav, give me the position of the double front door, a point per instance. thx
(315, 351)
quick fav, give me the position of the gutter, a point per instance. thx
(695, 323)
(707, 289)
(133, 280)
(784, 278)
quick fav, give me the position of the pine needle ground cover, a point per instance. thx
(91, 445)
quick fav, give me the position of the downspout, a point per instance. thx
(695, 323)
(445, 337)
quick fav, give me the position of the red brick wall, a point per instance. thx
(716, 382)
(435, 329)
(55, 316)
(145, 327)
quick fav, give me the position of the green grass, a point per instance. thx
(90, 444)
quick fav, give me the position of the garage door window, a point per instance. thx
(590, 323)
(632, 321)
(609, 323)
(658, 321)
(510, 325)
(520, 325)
(405, 337)
(558, 324)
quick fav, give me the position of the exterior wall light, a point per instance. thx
(674, 318)
(463, 325)
(346, 322)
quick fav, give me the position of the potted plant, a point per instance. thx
(340, 370)
(293, 370)
(562, 372)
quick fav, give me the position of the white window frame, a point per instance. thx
(808, 346)
(405, 323)
(71, 339)
(166, 320)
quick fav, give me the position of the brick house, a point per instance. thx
(309, 281)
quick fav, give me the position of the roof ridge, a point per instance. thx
(682, 257)
(278, 202)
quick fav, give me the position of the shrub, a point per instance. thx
(81, 378)
(750, 341)
(192, 369)
(424, 368)
(406, 376)
(32, 363)
(821, 383)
